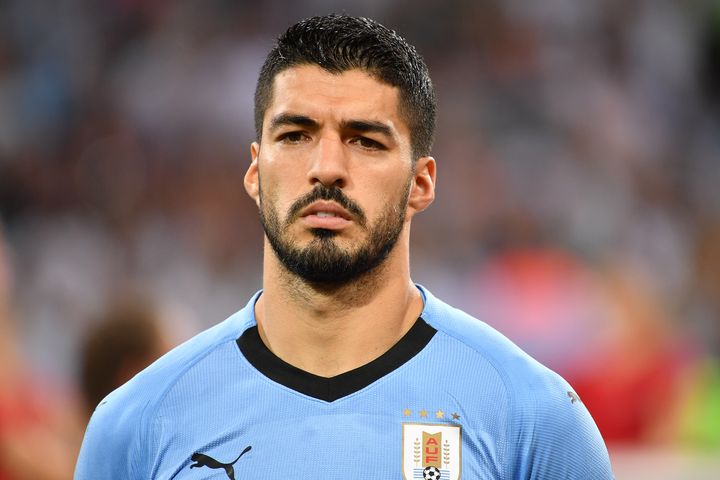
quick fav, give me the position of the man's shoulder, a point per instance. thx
(521, 374)
(122, 423)
(545, 415)
(465, 328)
(161, 375)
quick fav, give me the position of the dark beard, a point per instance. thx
(322, 261)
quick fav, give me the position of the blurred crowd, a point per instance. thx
(577, 211)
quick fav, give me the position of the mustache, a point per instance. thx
(335, 194)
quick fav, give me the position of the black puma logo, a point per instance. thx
(202, 460)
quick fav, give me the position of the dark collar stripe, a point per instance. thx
(333, 388)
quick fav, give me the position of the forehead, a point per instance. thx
(324, 96)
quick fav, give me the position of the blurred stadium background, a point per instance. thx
(578, 203)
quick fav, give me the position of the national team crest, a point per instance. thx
(431, 451)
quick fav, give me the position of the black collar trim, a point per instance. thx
(333, 388)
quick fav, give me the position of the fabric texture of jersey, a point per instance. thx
(467, 403)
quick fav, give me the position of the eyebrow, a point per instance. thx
(368, 126)
(291, 119)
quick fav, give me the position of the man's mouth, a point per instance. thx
(326, 215)
(324, 203)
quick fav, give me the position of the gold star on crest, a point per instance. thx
(407, 412)
(439, 414)
(423, 413)
(455, 416)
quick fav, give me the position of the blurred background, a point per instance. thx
(577, 211)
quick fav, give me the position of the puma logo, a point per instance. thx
(202, 460)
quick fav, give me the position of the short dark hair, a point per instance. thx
(338, 43)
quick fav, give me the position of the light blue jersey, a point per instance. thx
(452, 399)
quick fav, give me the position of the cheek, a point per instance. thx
(276, 188)
(392, 185)
(387, 195)
(275, 203)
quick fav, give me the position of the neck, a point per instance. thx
(331, 329)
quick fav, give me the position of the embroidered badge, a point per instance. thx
(431, 451)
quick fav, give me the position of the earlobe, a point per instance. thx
(422, 193)
(252, 179)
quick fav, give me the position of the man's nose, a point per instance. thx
(329, 163)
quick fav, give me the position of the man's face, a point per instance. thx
(333, 173)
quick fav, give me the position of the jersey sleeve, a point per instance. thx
(557, 437)
(110, 448)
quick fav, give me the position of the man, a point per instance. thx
(341, 367)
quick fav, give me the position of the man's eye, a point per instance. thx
(368, 143)
(292, 137)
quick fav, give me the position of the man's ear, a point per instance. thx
(252, 178)
(422, 190)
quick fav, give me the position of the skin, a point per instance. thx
(331, 329)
